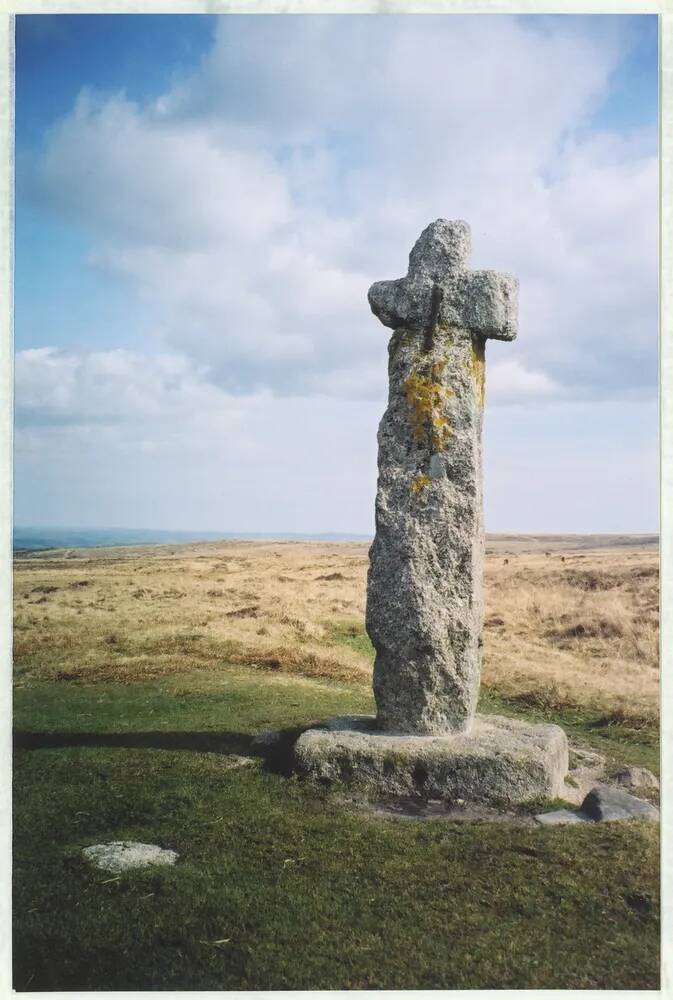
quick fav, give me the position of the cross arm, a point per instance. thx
(402, 302)
(491, 304)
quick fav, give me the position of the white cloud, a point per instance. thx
(160, 402)
(251, 207)
(112, 437)
(112, 166)
(510, 382)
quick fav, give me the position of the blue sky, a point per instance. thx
(202, 203)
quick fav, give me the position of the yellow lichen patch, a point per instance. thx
(478, 366)
(437, 368)
(420, 482)
(427, 398)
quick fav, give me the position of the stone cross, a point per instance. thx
(424, 609)
(424, 602)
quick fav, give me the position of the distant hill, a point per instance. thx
(32, 539)
(567, 543)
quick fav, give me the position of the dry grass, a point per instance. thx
(575, 630)
(572, 629)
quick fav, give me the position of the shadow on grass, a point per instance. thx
(277, 756)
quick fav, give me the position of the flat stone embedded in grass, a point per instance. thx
(559, 817)
(123, 855)
(433, 810)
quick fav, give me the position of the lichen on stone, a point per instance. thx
(420, 482)
(427, 397)
(446, 333)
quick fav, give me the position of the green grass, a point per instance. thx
(279, 886)
(351, 633)
(237, 699)
(620, 743)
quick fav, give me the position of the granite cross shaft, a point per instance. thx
(424, 603)
(424, 610)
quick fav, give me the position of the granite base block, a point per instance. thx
(497, 760)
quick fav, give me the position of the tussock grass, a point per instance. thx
(564, 630)
(579, 633)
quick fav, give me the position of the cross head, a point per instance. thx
(439, 289)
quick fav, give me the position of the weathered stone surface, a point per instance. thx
(424, 603)
(561, 817)
(587, 769)
(578, 757)
(122, 855)
(579, 781)
(607, 803)
(436, 810)
(636, 777)
(498, 760)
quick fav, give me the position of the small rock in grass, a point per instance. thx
(637, 777)
(584, 758)
(234, 760)
(607, 803)
(559, 817)
(122, 855)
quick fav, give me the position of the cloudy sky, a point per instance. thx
(203, 202)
